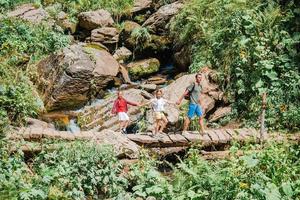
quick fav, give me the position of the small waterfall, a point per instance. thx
(73, 127)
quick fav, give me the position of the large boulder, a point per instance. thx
(157, 23)
(69, 78)
(29, 12)
(94, 19)
(177, 88)
(143, 68)
(99, 116)
(105, 35)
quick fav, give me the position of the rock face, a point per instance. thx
(158, 21)
(29, 12)
(99, 116)
(95, 19)
(122, 54)
(177, 88)
(182, 59)
(143, 68)
(141, 6)
(69, 78)
(105, 35)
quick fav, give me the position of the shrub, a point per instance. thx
(72, 171)
(253, 45)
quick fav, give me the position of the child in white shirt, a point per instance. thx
(158, 104)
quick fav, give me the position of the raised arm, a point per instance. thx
(182, 96)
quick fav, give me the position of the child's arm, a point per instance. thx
(145, 104)
(132, 103)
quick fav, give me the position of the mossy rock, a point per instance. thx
(143, 68)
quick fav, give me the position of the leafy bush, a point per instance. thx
(76, 171)
(272, 174)
(22, 42)
(255, 47)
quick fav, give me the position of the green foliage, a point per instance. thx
(22, 42)
(141, 38)
(272, 173)
(76, 171)
(255, 47)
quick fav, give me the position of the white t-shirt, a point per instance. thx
(158, 104)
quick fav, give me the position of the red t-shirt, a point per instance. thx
(120, 105)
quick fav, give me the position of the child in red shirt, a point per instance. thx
(120, 107)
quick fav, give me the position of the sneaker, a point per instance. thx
(123, 131)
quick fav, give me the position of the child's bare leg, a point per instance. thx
(126, 124)
(164, 122)
(156, 126)
(121, 125)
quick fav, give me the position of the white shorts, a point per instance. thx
(123, 116)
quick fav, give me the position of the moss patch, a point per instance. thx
(143, 68)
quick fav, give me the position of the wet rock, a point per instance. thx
(99, 116)
(219, 113)
(94, 19)
(105, 35)
(141, 6)
(69, 78)
(122, 54)
(143, 68)
(157, 23)
(29, 12)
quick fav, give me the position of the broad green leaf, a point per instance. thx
(250, 161)
(272, 192)
(271, 75)
(287, 189)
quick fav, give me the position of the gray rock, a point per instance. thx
(29, 12)
(105, 35)
(141, 5)
(157, 23)
(69, 78)
(122, 54)
(95, 19)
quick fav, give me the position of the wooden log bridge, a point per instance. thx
(211, 137)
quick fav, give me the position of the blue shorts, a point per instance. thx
(194, 109)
